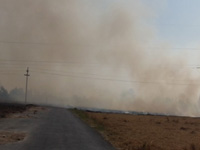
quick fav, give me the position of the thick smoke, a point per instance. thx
(159, 82)
(84, 38)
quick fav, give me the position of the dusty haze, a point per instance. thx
(93, 54)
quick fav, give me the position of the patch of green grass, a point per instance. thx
(89, 120)
(80, 113)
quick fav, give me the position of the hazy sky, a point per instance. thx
(176, 21)
(179, 22)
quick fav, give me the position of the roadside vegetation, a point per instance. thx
(145, 132)
(12, 95)
(90, 121)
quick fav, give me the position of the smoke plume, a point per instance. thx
(93, 54)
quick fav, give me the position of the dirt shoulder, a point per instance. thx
(7, 109)
(11, 137)
(8, 112)
(142, 132)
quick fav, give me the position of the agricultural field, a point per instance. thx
(145, 132)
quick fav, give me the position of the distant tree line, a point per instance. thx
(14, 94)
(4, 95)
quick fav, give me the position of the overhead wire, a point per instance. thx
(69, 73)
(31, 43)
(8, 65)
(43, 62)
(101, 78)
(111, 79)
(59, 44)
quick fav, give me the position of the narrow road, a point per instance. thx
(58, 129)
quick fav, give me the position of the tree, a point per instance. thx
(17, 93)
(3, 93)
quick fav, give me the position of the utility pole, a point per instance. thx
(27, 75)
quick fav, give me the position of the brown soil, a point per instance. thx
(29, 112)
(6, 109)
(10, 137)
(16, 111)
(146, 132)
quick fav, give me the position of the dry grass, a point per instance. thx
(145, 132)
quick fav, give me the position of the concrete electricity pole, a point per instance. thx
(27, 75)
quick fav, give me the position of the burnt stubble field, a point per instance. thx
(147, 132)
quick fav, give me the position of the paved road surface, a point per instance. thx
(55, 129)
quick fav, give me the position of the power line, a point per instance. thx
(10, 73)
(41, 61)
(80, 73)
(24, 64)
(59, 44)
(72, 73)
(31, 43)
(109, 79)
(180, 25)
(124, 75)
(35, 62)
(40, 69)
(178, 48)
